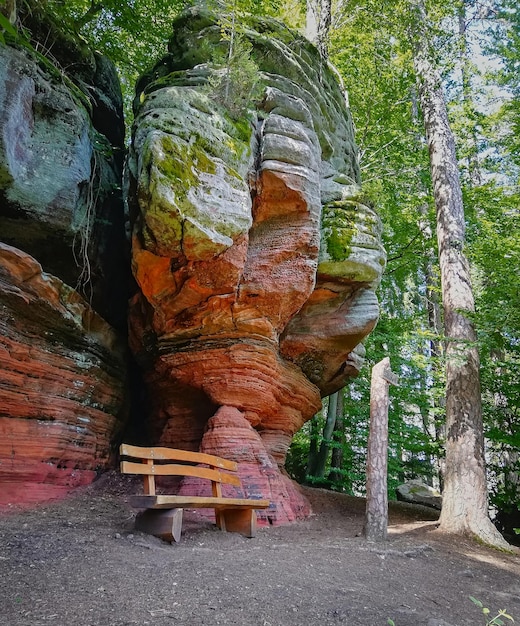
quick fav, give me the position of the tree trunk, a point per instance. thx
(313, 447)
(338, 438)
(311, 21)
(327, 436)
(8, 9)
(475, 175)
(376, 516)
(317, 26)
(324, 27)
(435, 356)
(432, 424)
(465, 500)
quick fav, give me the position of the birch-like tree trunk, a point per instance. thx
(313, 447)
(324, 27)
(465, 498)
(311, 21)
(318, 22)
(435, 350)
(338, 438)
(474, 172)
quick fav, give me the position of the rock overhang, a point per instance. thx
(261, 297)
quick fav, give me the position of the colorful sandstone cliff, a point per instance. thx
(62, 266)
(256, 262)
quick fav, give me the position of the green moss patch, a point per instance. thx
(338, 229)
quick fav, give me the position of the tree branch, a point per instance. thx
(94, 9)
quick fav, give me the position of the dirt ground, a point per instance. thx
(79, 562)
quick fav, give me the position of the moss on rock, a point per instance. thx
(351, 242)
(194, 162)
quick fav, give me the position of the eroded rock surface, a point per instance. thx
(61, 154)
(229, 434)
(417, 492)
(63, 366)
(61, 382)
(255, 259)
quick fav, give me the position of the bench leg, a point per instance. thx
(163, 523)
(239, 521)
(220, 520)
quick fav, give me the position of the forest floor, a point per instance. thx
(79, 562)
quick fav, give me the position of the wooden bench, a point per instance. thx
(162, 516)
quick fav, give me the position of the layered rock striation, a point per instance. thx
(63, 289)
(62, 384)
(256, 261)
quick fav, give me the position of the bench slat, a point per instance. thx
(128, 467)
(195, 502)
(171, 454)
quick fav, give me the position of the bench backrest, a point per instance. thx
(151, 462)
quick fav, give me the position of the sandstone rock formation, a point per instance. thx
(61, 383)
(62, 366)
(255, 258)
(230, 435)
(417, 492)
(61, 152)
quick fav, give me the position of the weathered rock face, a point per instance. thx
(61, 384)
(61, 151)
(229, 434)
(255, 260)
(62, 366)
(417, 492)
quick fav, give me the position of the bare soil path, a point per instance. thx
(79, 562)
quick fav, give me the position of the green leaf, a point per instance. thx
(6, 25)
(477, 602)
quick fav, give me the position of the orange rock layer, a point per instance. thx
(229, 434)
(61, 384)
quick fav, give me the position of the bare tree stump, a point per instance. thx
(376, 517)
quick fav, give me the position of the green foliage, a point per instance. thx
(6, 28)
(413, 446)
(234, 82)
(492, 621)
(298, 455)
(371, 50)
(132, 33)
(494, 250)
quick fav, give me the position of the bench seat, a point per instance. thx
(195, 502)
(162, 514)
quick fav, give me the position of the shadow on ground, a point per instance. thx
(79, 561)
